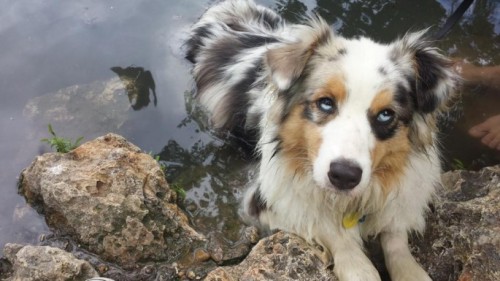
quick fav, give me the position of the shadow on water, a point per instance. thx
(138, 84)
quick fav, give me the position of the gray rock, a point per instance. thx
(113, 200)
(462, 239)
(43, 263)
(282, 256)
(223, 252)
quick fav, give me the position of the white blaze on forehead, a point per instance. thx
(361, 67)
(349, 135)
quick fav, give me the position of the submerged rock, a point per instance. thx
(113, 200)
(34, 263)
(87, 109)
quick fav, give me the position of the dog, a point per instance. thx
(345, 128)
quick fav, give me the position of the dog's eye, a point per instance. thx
(326, 105)
(385, 116)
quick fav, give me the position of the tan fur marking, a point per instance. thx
(389, 159)
(336, 87)
(301, 140)
(381, 101)
(289, 61)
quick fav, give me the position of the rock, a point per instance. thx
(88, 109)
(223, 252)
(461, 242)
(113, 200)
(462, 239)
(282, 256)
(34, 263)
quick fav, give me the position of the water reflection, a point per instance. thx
(291, 10)
(138, 84)
(476, 40)
(213, 173)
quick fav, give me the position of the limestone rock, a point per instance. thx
(35, 263)
(282, 256)
(113, 199)
(223, 252)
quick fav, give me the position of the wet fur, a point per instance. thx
(258, 75)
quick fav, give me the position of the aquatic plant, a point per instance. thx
(179, 190)
(62, 145)
(457, 164)
(163, 167)
(181, 193)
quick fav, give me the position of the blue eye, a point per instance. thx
(385, 116)
(326, 105)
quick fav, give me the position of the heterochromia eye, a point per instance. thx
(385, 116)
(326, 105)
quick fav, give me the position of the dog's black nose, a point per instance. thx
(344, 174)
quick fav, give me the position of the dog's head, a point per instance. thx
(353, 109)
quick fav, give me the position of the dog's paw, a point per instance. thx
(359, 274)
(408, 271)
(323, 255)
(355, 268)
(411, 273)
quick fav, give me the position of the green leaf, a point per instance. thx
(61, 145)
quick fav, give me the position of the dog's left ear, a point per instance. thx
(287, 62)
(431, 77)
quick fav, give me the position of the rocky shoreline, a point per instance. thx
(113, 215)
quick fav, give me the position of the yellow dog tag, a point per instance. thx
(351, 220)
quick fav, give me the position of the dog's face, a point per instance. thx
(352, 108)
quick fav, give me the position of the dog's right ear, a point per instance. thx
(287, 62)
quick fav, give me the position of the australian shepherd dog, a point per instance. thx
(345, 128)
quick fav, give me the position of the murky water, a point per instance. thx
(53, 53)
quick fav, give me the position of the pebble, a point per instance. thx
(102, 268)
(201, 255)
(191, 275)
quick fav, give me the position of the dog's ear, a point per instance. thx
(431, 78)
(287, 62)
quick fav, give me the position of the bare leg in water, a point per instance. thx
(489, 130)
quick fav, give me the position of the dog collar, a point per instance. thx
(350, 220)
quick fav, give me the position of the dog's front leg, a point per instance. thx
(399, 260)
(350, 262)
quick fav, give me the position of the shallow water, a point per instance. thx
(51, 46)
